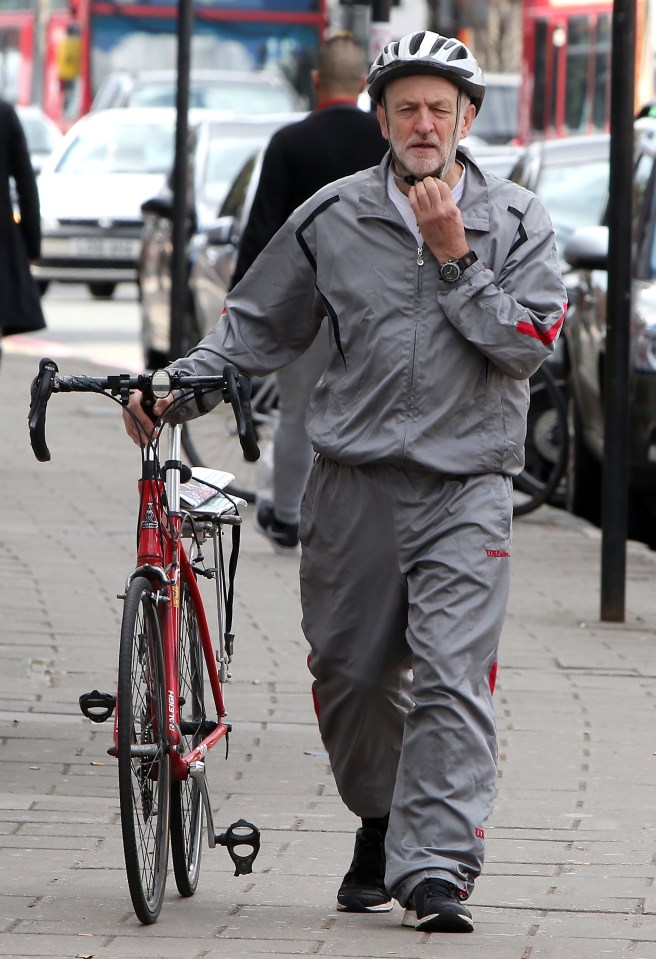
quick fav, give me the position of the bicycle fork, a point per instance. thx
(240, 834)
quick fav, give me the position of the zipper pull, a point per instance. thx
(420, 256)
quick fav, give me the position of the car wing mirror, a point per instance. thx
(587, 248)
(160, 205)
(222, 231)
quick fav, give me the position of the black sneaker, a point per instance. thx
(363, 886)
(282, 536)
(435, 906)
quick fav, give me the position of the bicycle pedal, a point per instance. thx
(97, 706)
(239, 834)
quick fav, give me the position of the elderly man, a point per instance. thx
(441, 288)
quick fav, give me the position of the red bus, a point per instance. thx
(80, 43)
(566, 66)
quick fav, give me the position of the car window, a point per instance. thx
(120, 149)
(498, 121)
(224, 160)
(40, 137)
(575, 196)
(234, 201)
(246, 98)
(644, 220)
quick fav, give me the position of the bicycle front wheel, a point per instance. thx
(186, 798)
(144, 766)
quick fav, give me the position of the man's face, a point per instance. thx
(418, 119)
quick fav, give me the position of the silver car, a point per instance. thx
(241, 93)
(218, 150)
(91, 190)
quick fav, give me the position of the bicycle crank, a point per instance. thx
(237, 836)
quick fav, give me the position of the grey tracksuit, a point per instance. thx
(419, 421)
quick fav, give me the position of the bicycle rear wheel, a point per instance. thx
(186, 798)
(144, 766)
(546, 444)
(212, 440)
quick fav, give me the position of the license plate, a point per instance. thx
(110, 248)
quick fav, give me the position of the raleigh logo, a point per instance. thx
(149, 521)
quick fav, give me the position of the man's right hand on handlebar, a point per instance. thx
(142, 430)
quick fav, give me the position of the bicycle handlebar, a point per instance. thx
(236, 389)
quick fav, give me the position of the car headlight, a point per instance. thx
(644, 350)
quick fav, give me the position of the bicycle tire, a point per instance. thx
(212, 439)
(546, 447)
(186, 798)
(144, 780)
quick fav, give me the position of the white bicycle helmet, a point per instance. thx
(428, 53)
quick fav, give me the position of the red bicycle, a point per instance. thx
(169, 710)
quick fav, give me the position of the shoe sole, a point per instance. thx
(446, 922)
(357, 906)
(277, 547)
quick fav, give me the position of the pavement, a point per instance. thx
(571, 846)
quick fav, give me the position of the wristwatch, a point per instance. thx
(452, 270)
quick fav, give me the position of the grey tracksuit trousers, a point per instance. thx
(406, 568)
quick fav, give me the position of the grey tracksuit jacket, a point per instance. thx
(421, 371)
(419, 419)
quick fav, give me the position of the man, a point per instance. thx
(442, 287)
(335, 140)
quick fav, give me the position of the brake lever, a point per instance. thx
(41, 390)
(237, 391)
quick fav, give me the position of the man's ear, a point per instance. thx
(382, 119)
(467, 120)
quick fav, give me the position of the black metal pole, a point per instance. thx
(179, 271)
(614, 492)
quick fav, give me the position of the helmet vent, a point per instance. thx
(439, 43)
(457, 54)
(416, 42)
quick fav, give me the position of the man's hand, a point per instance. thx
(438, 219)
(142, 430)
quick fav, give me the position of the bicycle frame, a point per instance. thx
(162, 558)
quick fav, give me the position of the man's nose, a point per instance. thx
(424, 122)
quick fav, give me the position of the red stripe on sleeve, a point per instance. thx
(550, 335)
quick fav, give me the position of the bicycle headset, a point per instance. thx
(428, 53)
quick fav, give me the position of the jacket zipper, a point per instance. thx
(420, 256)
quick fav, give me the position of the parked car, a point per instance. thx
(214, 251)
(587, 253)
(498, 121)
(570, 176)
(91, 190)
(217, 150)
(236, 92)
(42, 134)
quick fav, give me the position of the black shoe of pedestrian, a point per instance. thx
(282, 536)
(363, 886)
(435, 906)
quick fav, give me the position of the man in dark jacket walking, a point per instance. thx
(337, 139)
(20, 243)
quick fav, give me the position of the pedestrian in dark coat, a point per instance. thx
(20, 243)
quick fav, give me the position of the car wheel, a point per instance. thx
(583, 470)
(101, 290)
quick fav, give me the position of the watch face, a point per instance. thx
(450, 272)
